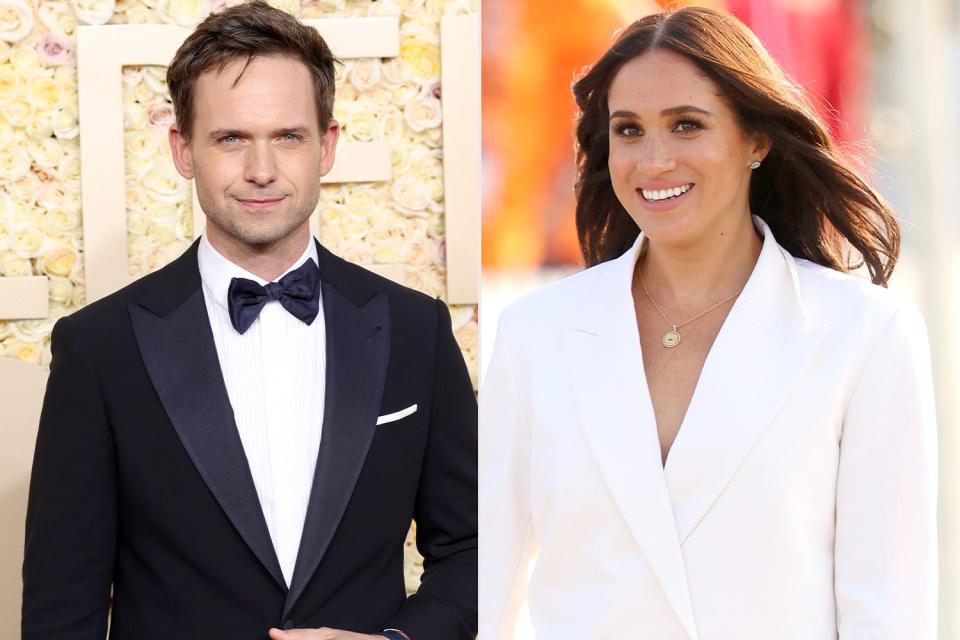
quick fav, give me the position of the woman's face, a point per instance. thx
(679, 160)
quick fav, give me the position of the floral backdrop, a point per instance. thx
(394, 100)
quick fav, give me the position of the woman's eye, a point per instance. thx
(687, 126)
(627, 130)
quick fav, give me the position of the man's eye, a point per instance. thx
(290, 137)
(229, 139)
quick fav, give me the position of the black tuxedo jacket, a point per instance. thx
(140, 482)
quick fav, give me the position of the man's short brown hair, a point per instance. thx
(244, 32)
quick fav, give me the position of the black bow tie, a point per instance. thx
(298, 292)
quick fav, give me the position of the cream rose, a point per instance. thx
(10, 81)
(58, 18)
(421, 50)
(140, 14)
(55, 50)
(60, 221)
(331, 236)
(422, 251)
(139, 167)
(164, 215)
(16, 20)
(26, 240)
(155, 78)
(17, 111)
(138, 223)
(69, 170)
(404, 93)
(165, 185)
(422, 113)
(57, 262)
(43, 92)
(333, 214)
(94, 11)
(135, 117)
(47, 152)
(390, 125)
(355, 227)
(60, 290)
(360, 199)
(14, 162)
(365, 74)
(331, 5)
(14, 266)
(410, 195)
(25, 351)
(356, 251)
(140, 144)
(360, 125)
(52, 196)
(395, 71)
(24, 189)
(186, 13)
(65, 123)
(26, 61)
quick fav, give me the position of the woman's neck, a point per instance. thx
(691, 276)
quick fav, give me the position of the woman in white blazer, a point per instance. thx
(714, 432)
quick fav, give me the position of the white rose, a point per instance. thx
(23, 351)
(289, 6)
(60, 290)
(331, 5)
(383, 8)
(140, 144)
(11, 81)
(17, 111)
(165, 185)
(24, 189)
(61, 221)
(14, 162)
(138, 223)
(160, 114)
(16, 20)
(138, 168)
(65, 122)
(14, 266)
(7, 133)
(404, 93)
(433, 138)
(38, 127)
(355, 227)
(47, 152)
(360, 199)
(52, 196)
(390, 125)
(135, 117)
(331, 236)
(420, 47)
(25, 240)
(57, 262)
(137, 198)
(186, 13)
(410, 8)
(4, 51)
(69, 170)
(164, 215)
(375, 99)
(462, 315)
(396, 71)
(360, 125)
(423, 113)
(356, 251)
(140, 14)
(390, 251)
(410, 195)
(333, 214)
(58, 18)
(155, 78)
(43, 92)
(365, 74)
(94, 11)
(422, 251)
(26, 60)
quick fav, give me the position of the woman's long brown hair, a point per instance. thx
(816, 204)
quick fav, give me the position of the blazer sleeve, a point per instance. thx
(506, 525)
(445, 605)
(886, 522)
(72, 509)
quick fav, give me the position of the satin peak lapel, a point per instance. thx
(757, 359)
(358, 351)
(605, 364)
(181, 359)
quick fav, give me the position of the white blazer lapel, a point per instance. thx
(602, 354)
(756, 360)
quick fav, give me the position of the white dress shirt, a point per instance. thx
(275, 378)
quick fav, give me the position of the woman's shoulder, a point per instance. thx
(851, 301)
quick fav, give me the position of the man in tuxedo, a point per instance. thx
(235, 445)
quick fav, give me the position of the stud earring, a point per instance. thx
(755, 164)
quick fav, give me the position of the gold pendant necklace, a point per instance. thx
(672, 337)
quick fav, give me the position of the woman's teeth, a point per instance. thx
(663, 194)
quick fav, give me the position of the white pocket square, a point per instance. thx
(396, 415)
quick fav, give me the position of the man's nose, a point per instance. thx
(261, 166)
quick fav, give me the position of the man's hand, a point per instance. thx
(323, 633)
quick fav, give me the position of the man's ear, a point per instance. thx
(180, 148)
(328, 146)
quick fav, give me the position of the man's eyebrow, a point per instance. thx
(671, 111)
(301, 129)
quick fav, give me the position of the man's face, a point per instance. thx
(256, 152)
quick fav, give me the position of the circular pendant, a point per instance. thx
(671, 339)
